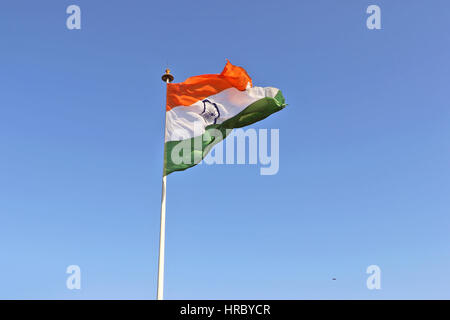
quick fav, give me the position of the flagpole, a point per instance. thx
(167, 77)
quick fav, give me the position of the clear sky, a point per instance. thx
(364, 151)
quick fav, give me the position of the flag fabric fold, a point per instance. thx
(201, 111)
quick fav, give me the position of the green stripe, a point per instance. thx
(201, 145)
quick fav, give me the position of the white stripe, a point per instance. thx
(187, 122)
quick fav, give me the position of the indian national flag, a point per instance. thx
(201, 111)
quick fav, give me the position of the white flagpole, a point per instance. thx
(167, 77)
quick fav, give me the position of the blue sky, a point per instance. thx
(364, 156)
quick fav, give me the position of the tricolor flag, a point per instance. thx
(203, 105)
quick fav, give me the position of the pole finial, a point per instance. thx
(167, 77)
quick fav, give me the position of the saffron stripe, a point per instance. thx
(200, 87)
